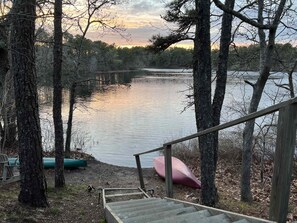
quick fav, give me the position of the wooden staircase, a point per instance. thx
(157, 210)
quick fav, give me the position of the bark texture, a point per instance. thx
(4, 64)
(57, 99)
(8, 129)
(33, 191)
(221, 73)
(202, 99)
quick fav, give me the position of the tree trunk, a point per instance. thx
(8, 133)
(70, 117)
(222, 69)
(265, 66)
(202, 99)
(8, 113)
(9, 139)
(291, 80)
(4, 64)
(33, 191)
(258, 88)
(57, 100)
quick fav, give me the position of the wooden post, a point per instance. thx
(140, 175)
(282, 172)
(168, 171)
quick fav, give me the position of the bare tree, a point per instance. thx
(221, 72)
(89, 18)
(272, 20)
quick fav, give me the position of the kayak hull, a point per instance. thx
(49, 162)
(181, 174)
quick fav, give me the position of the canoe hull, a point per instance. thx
(49, 162)
(181, 174)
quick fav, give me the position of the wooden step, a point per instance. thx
(186, 218)
(157, 210)
(221, 218)
(159, 215)
(152, 210)
(132, 203)
(241, 221)
(144, 209)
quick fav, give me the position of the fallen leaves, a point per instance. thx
(228, 185)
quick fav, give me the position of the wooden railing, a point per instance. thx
(284, 151)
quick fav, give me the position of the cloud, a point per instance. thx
(148, 7)
(141, 19)
(143, 13)
(142, 6)
(154, 8)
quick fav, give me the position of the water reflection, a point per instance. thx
(114, 122)
(132, 119)
(124, 120)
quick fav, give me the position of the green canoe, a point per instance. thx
(49, 162)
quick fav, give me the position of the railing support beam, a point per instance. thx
(282, 172)
(140, 175)
(168, 171)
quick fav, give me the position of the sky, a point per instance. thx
(141, 20)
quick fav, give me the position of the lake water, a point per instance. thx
(115, 124)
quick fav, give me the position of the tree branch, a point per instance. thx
(249, 83)
(160, 43)
(240, 16)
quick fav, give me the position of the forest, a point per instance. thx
(98, 56)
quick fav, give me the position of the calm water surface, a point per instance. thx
(114, 125)
(133, 119)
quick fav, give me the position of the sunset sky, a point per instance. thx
(141, 19)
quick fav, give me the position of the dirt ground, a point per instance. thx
(76, 203)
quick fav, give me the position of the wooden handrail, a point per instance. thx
(286, 127)
(246, 118)
(149, 151)
(251, 116)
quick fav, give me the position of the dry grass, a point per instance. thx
(70, 202)
(228, 178)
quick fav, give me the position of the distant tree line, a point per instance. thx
(246, 58)
(100, 56)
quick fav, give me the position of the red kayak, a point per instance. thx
(181, 174)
